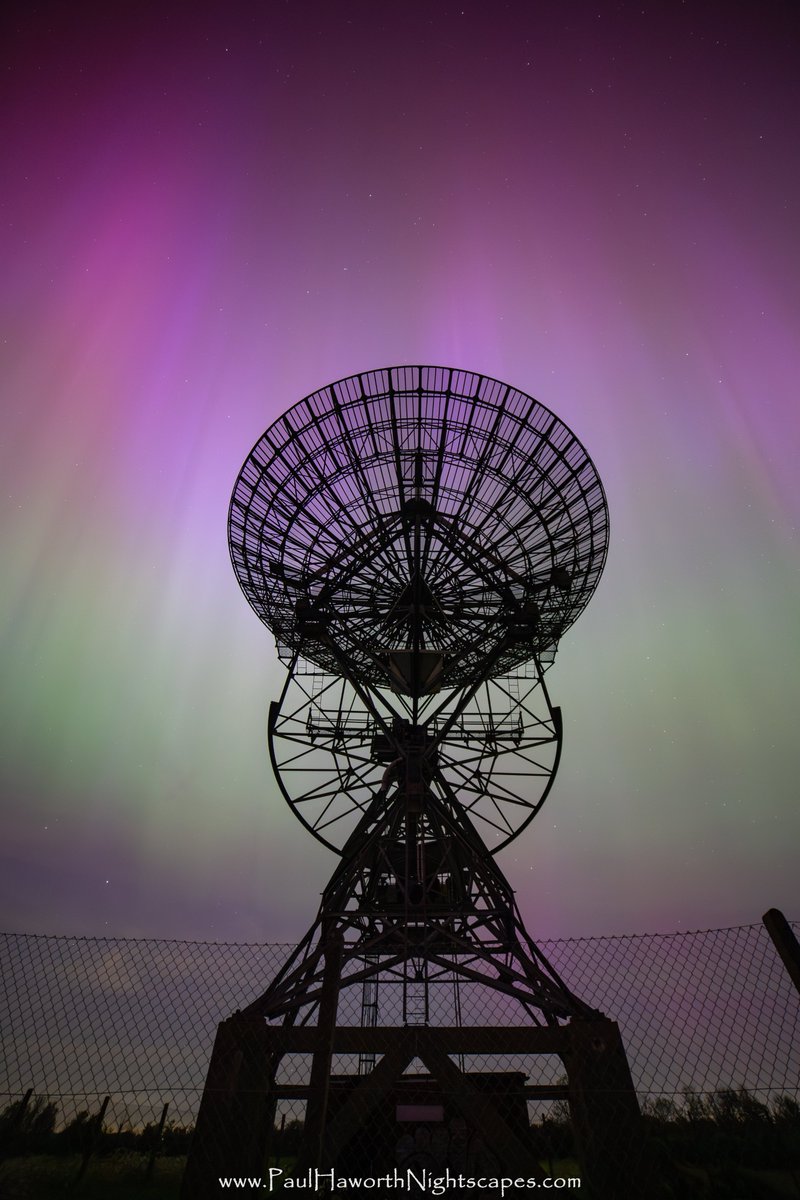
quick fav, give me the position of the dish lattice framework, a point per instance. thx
(509, 513)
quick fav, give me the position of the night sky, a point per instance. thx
(211, 210)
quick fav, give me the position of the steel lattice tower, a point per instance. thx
(418, 540)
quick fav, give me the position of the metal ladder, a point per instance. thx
(369, 1015)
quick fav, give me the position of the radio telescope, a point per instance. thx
(418, 540)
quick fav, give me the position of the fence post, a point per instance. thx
(277, 1161)
(785, 943)
(151, 1162)
(92, 1139)
(16, 1122)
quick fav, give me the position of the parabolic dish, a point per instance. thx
(420, 509)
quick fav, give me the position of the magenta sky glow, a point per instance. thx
(209, 212)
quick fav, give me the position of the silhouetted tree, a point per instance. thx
(27, 1128)
(725, 1132)
(176, 1138)
(75, 1136)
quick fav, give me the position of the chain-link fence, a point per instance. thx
(106, 1046)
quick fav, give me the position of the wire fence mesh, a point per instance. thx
(710, 1022)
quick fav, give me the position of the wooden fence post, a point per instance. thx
(151, 1162)
(91, 1142)
(16, 1121)
(785, 942)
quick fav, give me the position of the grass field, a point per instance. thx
(118, 1176)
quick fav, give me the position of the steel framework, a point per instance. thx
(418, 539)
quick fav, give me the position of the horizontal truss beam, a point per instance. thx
(465, 1039)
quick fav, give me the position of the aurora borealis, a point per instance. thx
(208, 212)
